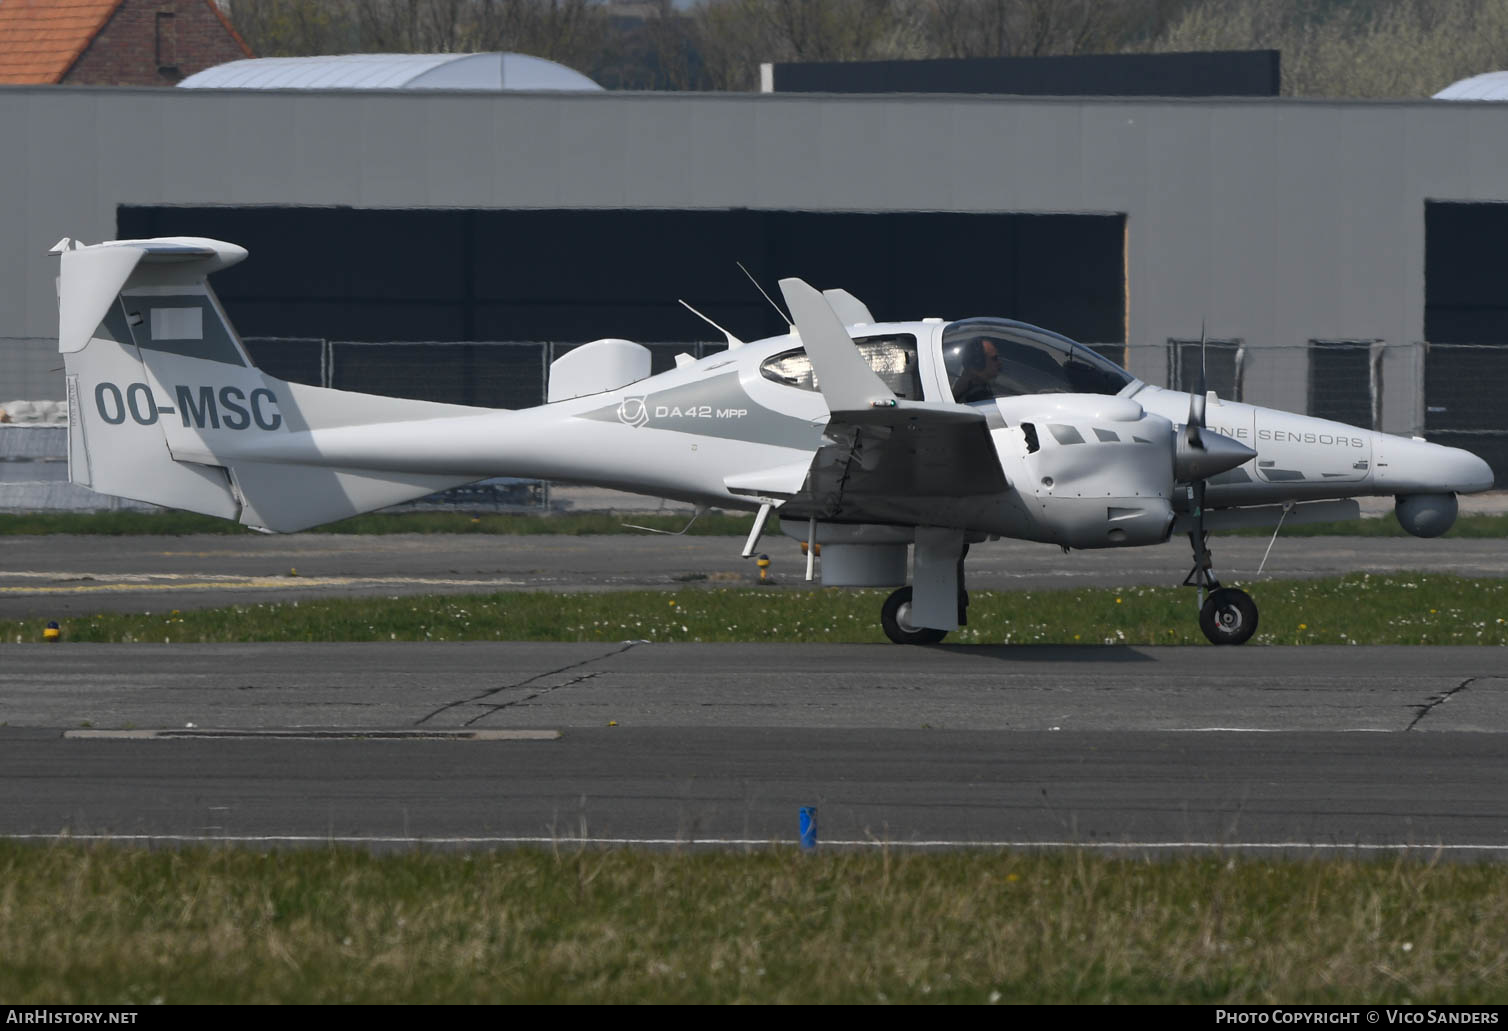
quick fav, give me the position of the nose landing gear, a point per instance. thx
(1228, 615)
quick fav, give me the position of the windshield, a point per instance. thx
(989, 358)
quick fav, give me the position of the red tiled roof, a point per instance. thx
(41, 39)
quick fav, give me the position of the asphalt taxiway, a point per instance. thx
(1302, 750)
(1305, 750)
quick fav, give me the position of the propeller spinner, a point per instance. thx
(1202, 453)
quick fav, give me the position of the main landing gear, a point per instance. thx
(1228, 615)
(895, 618)
(946, 575)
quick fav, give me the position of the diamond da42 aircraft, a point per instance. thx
(891, 445)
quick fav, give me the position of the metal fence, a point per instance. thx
(1463, 400)
(1449, 393)
(1445, 392)
(490, 374)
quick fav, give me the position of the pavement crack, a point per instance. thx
(491, 710)
(525, 683)
(1435, 700)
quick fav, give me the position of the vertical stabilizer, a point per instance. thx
(116, 440)
(164, 403)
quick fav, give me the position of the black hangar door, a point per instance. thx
(1466, 329)
(468, 306)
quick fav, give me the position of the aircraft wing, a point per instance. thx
(878, 447)
(911, 451)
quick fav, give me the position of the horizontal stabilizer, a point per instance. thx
(91, 278)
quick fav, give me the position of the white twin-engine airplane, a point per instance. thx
(878, 441)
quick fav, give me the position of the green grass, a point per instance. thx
(115, 925)
(572, 524)
(579, 523)
(1401, 608)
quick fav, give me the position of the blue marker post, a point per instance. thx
(808, 828)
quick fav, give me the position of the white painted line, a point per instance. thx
(315, 735)
(1276, 730)
(1282, 730)
(336, 839)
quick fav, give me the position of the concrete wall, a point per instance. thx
(1276, 220)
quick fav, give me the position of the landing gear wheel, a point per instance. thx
(895, 618)
(1229, 616)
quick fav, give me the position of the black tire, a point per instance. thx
(1229, 616)
(893, 618)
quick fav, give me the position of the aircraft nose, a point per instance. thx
(1465, 472)
(1409, 465)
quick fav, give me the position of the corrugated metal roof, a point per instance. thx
(41, 39)
(493, 71)
(1488, 86)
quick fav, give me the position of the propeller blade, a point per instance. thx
(1203, 350)
(1197, 398)
(1192, 431)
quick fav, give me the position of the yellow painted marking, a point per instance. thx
(83, 583)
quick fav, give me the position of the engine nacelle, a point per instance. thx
(1426, 515)
(1099, 469)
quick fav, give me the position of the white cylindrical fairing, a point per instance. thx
(864, 565)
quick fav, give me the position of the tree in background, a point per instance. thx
(1038, 28)
(734, 37)
(1354, 48)
(648, 46)
(569, 31)
(293, 28)
(1337, 48)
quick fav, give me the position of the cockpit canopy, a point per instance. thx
(989, 358)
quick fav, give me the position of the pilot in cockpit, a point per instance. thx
(981, 364)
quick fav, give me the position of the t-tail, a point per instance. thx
(165, 406)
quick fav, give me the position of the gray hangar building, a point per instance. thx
(1344, 255)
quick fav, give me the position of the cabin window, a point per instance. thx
(893, 359)
(990, 358)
